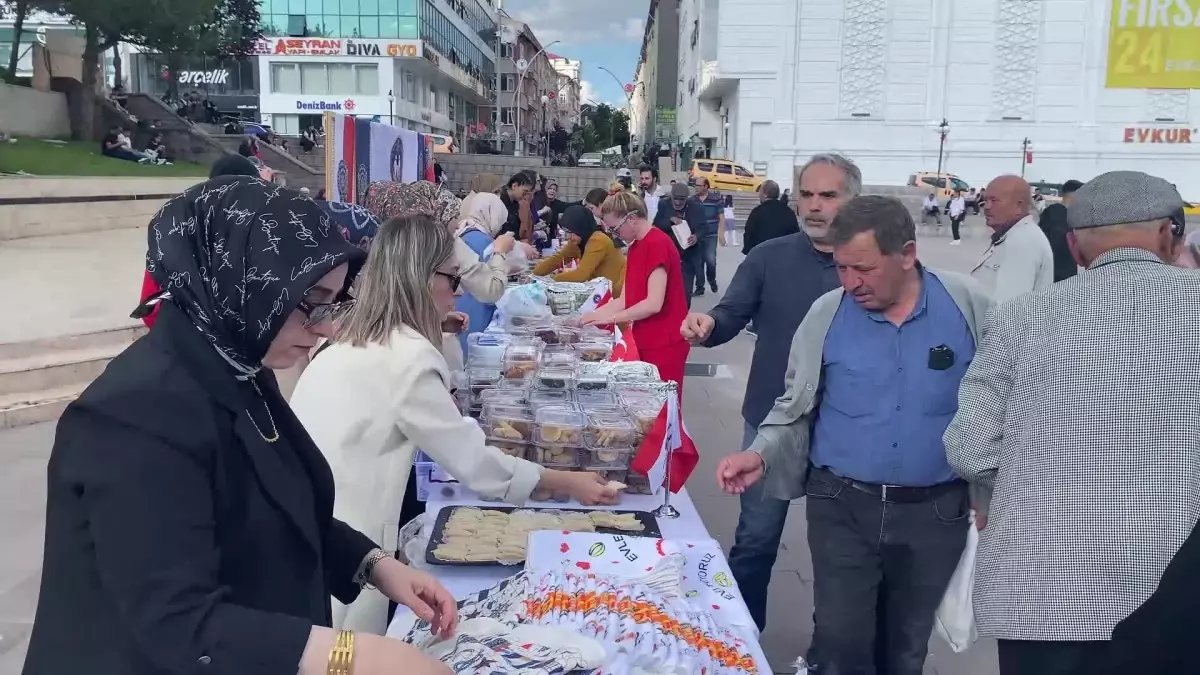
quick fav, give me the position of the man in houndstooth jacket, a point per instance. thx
(1082, 409)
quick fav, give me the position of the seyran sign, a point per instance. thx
(1154, 44)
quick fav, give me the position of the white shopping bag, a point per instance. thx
(955, 619)
(682, 232)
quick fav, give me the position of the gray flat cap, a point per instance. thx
(1119, 197)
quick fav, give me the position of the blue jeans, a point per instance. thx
(756, 542)
(707, 263)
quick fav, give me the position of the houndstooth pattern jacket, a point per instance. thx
(1082, 408)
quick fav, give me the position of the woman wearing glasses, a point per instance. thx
(654, 298)
(189, 516)
(382, 390)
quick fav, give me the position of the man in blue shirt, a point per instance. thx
(714, 213)
(887, 517)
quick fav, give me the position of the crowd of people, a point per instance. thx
(191, 515)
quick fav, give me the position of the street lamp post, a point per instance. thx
(545, 132)
(1026, 148)
(391, 108)
(943, 131)
(521, 85)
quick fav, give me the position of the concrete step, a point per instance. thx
(39, 378)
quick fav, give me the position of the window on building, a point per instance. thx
(285, 78)
(425, 97)
(695, 32)
(341, 78)
(410, 87)
(288, 125)
(313, 79)
(366, 79)
(508, 82)
(507, 116)
(506, 50)
(297, 25)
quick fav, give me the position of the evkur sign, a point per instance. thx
(1172, 135)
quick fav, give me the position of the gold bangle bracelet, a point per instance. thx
(341, 657)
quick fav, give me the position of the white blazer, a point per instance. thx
(368, 409)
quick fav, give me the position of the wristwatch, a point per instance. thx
(363, 576)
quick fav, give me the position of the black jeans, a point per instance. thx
(707, 250)
(1031, 657)
(954, 223)
(692, 260)
(880, 569)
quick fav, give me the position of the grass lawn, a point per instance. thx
(79, 158)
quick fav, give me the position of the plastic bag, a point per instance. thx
(955, 618)
(523, 303)
(414, 539)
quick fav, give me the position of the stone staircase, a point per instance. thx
(38, 378)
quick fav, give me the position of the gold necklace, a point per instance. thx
(274, 427)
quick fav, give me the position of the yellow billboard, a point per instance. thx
(1154, 44)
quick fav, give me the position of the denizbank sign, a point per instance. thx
(333, 106)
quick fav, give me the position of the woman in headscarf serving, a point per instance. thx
(189, 517)
(590, 247)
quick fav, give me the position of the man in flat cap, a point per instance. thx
(1082, 410)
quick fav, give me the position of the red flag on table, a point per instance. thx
(667, 438)
(624, 348)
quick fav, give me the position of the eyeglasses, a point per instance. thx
(455, 280)
(318, 313)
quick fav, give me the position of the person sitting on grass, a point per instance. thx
(115, 145)
(590, 247)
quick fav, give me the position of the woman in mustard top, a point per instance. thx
(588, 244)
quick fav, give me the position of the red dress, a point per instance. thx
(657, 337)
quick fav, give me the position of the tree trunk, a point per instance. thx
(21, 9)
(118, 75)
(86, 101)
(174, 65)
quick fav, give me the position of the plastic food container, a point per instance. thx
(643, 419)
(558, 426)
(565, 358)
(556, 335)
(637, 397)
(608, 458)
(521, 360)
(618, 475)
(556, 378)
(592, 376)
(593, 351)
(556, 456)
(548, 397)
(486, 349)
(609, 431)
(502, 395)
(596, 398)
(503, 409)
(635, 371)
(637, 484)
(508, 424)
(510, 448)
(480, 379)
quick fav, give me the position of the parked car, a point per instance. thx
(591, 160)
(443, 143)
(944, 185)
(724, 175)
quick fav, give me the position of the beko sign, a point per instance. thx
(216, 76)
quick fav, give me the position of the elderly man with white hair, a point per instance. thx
(1080, 409)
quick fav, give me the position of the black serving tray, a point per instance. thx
(647, 519)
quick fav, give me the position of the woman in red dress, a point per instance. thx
(654, 299)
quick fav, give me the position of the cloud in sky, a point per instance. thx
(578, 22)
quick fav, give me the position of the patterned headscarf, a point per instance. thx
(387, 200)
(356, 224)
(238, 254)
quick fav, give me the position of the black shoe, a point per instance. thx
(698, 293)
(714, 287)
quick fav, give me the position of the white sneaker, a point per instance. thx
(956, 242)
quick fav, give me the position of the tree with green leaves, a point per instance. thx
(610, 127)
(175, 28)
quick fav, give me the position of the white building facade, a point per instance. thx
(402, 82)
(784, 79)
(566, 100)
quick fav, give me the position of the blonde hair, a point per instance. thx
(393, 288)
(622, 204)
(486, 182)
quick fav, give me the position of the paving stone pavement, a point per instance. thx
(712, 413)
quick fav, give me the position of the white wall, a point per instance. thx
(806, 67)
(32, 113)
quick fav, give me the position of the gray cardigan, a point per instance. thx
(783, 437)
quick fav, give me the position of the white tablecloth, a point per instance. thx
(462, 581)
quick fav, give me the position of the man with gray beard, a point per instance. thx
(774, 287)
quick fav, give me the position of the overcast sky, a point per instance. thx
(604, 33)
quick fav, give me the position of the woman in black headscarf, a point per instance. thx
(189, 517)
(590, 250)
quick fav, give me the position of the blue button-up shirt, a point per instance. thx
(882, 409)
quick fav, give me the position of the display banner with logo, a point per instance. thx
(359, 151)
(1154, 45)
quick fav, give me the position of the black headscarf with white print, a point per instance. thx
(238, 254)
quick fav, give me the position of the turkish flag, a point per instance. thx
(666, 442)
(624, 349)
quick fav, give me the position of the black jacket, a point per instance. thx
(178, 540)
(768, 220)
(693, 213)
(1053, 222)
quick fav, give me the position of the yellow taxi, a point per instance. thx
(1191, 208)
(944, 185)
(724, 175)
(443, 143)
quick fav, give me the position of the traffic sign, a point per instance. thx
(629, 89)
(552, 95)
(522, 64)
